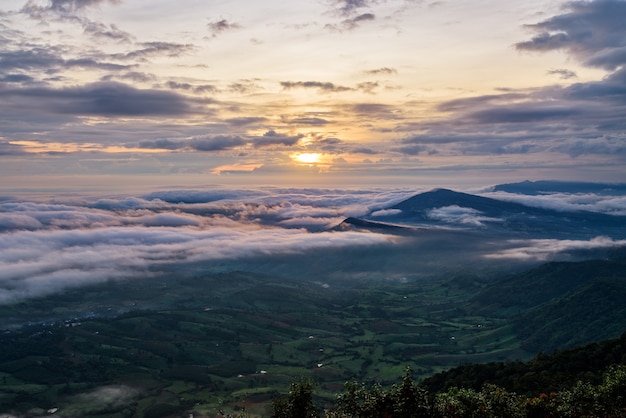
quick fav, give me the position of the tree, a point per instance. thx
(298, 403)
(409, 400)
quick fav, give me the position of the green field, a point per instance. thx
(234, 341)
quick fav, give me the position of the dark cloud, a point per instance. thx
(38, 58)
(178, 86)
(592, 31)
(104, 99)
(367, 87)
(166, 144)
(49, 61)
(244, 87)
(480, 101)
(322, 86)
(136, 76)
(611, 88)
(358, 19)
(216, 143)
(348, 7)
(413, 149)
(351, 23)
(523, 113)
(383, 70)
(7, 148)
(63, 6)
(102, 31)
(563, 73)
(244, 121)
(16, 78)
(579, 119)
(204, 88)
(93, 64)
(272, 137)
(220, 26)
(150, 49)
(328, 145)
(203, 143)
(364, 150)
(375, 110)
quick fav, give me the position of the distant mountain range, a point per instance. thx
(445, 208)
(551, 186)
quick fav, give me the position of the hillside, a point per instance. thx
(544, 373)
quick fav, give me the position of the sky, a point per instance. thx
(136, 94)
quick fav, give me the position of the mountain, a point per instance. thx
(352, 223)
(551, 186)
(420, 205)
(451, 209)
(560, 304)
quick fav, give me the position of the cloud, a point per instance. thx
(56, 260)
(576, 120)
(385, 212)
(74, 11)
(351, 23)
(49, 248)
(203, 88)
(367, 87)
(244, 87)
(102, 98)
(592, 31)
(220, 26)
(305, 120)
(272, 137)
(50, 61)
(7, 148)
(611, 204)
(375, 110)
(64, 6)
(135, 76)
(523, 113)
(150, 49)
(99, 30)
(245, 121)
(216, 143)
(455, 214)
(383, 70)
(545, 249)
(322, 86)
(104, 398)
(364, 150)
(349, 7)
(355, 22)
(200, 143)
(563, 73)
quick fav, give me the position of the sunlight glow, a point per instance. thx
(307, 157)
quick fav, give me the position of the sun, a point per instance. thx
(307, 157)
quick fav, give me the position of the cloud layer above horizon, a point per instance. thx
(47, 247)
(399, 89)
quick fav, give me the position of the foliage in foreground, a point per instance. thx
(408, 400)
